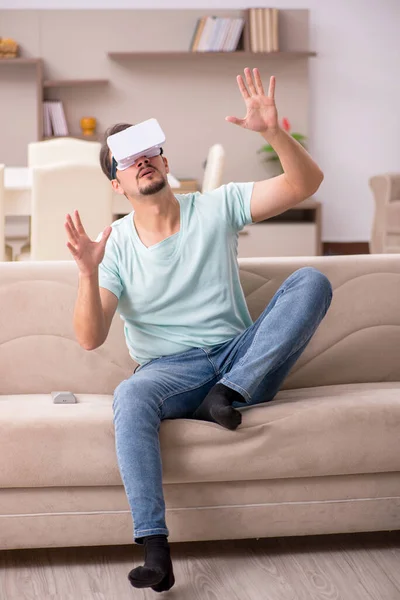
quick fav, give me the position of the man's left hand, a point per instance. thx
(262, 115)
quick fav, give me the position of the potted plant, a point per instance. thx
(268, 149)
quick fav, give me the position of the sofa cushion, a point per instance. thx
(333, 430)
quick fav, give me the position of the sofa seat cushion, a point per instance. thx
(332, 430)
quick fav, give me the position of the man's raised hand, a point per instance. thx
(261, 113)
(87, 253)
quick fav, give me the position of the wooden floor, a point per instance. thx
(346, 567)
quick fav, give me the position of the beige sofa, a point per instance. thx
(324, 457)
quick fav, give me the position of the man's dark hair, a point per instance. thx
(105, 161)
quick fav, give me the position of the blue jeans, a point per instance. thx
(254, 363)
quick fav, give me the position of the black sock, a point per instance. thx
(217, 407)
(157, 571)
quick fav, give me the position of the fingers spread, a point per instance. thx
(72, 234)
(249, 81)
(72, 225)
(106, 235)
(81, 228)
(257, 79)
(242, 87)
(271, 91)
(235, 120)
(72, 249)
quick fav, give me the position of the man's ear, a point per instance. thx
(166, 164)
(117, 187)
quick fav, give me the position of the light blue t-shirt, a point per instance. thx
(185, 291)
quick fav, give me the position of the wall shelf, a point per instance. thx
(83, 86)
(20, 61)
(57, 83)
(186, 54)
(77, 136)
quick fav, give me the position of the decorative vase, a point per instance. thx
(88, 125)
(8, 48)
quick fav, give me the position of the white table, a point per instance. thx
(18, 194)
(18, 189)
(264, 239)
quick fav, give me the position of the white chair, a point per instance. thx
(60, 189)
(214, 167)
(49, 152)
(5, 251)
(385, 235)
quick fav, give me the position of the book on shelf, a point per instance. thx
(263, 26)
(54, 121)
(217, 34)
(47, 129)
(197, 34)
(275, 29)
(261, 32)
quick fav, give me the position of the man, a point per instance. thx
(171, 269)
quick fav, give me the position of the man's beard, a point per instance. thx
(153, 187)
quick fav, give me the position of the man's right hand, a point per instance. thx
(87, 254)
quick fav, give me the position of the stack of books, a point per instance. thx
(217, 34)
(54, 121)
(264, 36)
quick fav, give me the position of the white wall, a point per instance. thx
(355, 95)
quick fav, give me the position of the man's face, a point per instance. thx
(145, 178)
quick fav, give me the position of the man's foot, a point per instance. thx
(217, 407)
(157, 571)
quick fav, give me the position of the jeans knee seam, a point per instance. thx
(240, 363)
(289, 356)
(210, 361)
(228, 364)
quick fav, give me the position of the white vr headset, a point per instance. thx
(144, 139)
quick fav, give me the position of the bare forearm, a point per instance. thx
(89, 319)
(301, 171)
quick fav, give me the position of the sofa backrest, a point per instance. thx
(358, 341)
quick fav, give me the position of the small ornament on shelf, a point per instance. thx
(8, 48)
(88, 126)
